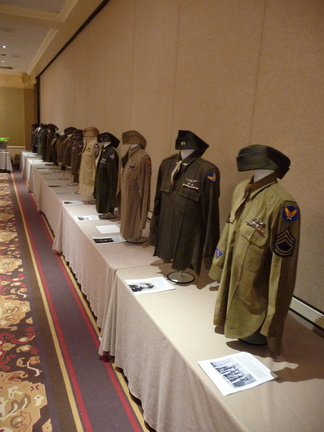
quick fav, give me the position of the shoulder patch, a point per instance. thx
(96, 146)
(211, 176)
(149, 162)
(290, 213)
(284, 244)
(112, 156)
(218, 253)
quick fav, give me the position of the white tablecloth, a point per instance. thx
(5, 161)
(158, 338)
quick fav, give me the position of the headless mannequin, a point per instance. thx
(257, 338)
(140, 239)
(179, 276)
(110, 214)
(261, 173)
(185, 153)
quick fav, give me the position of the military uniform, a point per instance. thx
(135, 185)
(90, 152)
(76, 153)
(106, 174)
(185, 222)
(256, 260)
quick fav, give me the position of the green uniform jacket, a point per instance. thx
(255, 262)
(185, 223)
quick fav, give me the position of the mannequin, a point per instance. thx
(135, 184)
(90, 152)
(256, 258)
(106, 176)
(185, 222)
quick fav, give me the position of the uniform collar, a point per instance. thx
(254, 187)
(188, 160)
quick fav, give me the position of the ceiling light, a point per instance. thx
(4, 46)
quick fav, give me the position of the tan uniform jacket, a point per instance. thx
(90, 152)
(135, 185)
(256, 261)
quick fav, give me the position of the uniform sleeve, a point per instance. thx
(144, 179)
(154, 226)
(210, 206)
(112, 173)
(284, 246)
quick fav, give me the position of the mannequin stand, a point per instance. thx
(181, 277)
(255, 339)
(107, 216)
(90, 201)
(139, 240)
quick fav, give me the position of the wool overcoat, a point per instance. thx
(106, 179)
(185, 222)
(256, 260)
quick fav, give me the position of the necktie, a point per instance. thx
(241, 206)
(175, 171)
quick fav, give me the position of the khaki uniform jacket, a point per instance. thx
(185, 223)
(256, 261)
(90, 152)
(135, 186)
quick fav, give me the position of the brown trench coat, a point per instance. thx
(135, 186)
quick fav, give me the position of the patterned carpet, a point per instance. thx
(51, 377)
(23, 397)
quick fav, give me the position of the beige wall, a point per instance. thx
(235, 73)
(17, 110)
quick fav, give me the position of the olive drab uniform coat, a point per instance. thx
(90, 152)
(106, 179)
(135, 186)
(256, 260)
(185, 223)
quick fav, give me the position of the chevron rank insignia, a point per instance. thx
(290, 213)
(284, 244)
(112, 156)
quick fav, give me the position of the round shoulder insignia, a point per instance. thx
(96, 146)
(290, 213)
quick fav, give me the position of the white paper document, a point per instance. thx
(108, 240)
(108, 229)
(237, 372)
(86, 218)
(149, 285)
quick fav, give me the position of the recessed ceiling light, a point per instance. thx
(4, 46)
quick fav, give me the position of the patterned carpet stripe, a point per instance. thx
(90, 385)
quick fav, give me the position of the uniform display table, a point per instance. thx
(158, 338)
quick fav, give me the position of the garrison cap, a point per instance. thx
(90, 131)
(52, 127)
(69, 130)
(133, 137)
(106, 137)
(258, 156)
(189, 140)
